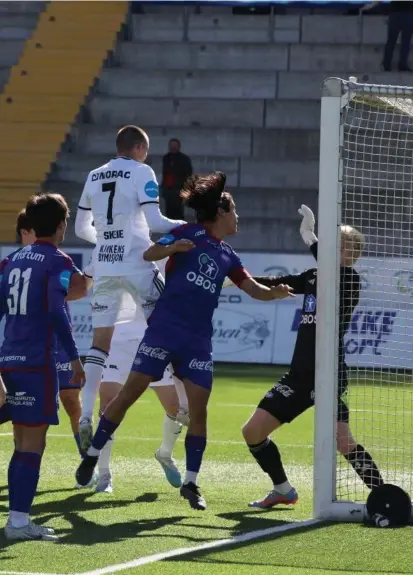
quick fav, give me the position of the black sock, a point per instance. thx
(269, 459)
(363, 464)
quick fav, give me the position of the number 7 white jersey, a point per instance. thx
(115, 193)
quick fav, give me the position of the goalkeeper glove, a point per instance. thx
(307, 225)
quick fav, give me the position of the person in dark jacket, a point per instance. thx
(400, 22)
(176, 168)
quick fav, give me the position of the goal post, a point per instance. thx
(365, 181)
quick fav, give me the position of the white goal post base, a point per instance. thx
(348, 512)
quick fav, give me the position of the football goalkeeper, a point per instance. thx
(294, 393)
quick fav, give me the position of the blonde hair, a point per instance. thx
(350, 234)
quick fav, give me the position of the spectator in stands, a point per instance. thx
(176, 168)
(400, 22)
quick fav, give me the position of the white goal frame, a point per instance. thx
(336, 94)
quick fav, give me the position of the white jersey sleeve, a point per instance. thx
(148, 195)
(146, 185)
(84, 228)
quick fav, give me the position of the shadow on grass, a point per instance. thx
(247, 522)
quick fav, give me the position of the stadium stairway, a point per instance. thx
(45, 91)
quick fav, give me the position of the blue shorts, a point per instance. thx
(191, 357)
(64, 374)
(32, 397)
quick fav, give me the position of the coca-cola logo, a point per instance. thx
(154, 352)
(60, 366)
(201, 365)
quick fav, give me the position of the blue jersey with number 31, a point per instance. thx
(34, 283)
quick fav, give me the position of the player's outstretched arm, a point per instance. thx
(263, 293)
(157, 222)
(307, 225)
(161, 250)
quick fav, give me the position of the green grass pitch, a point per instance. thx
(146, 516)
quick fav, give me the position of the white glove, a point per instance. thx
(307, 225)
(227, 283)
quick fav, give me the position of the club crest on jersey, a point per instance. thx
(208, 267)
(152, 189)
(309, 304)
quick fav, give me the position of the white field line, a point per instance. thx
(210, 441)
(238, 539)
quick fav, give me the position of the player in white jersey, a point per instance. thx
(125, 342)
(170, 392)
(118, 208)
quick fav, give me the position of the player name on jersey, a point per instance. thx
(110, 174)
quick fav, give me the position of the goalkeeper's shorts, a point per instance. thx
(294, 394)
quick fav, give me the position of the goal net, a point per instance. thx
(366, 181)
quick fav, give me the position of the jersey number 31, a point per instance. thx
(18, 291)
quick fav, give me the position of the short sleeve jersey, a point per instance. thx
(115, 193)
(194, 280)
(33, 280)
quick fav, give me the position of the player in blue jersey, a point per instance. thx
(199, 262)
(69, 393)
(34, 284)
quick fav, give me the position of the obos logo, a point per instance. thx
(309, 304)
(208, 271)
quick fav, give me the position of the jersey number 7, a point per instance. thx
(18, 297)
(111, 188)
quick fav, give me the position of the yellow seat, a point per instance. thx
(44, 92)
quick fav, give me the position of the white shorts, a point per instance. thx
(115, 299)
(121, 356)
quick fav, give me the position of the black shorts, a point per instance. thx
(294, 394)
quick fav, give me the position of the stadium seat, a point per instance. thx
(44, 93)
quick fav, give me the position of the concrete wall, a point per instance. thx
(242, 93)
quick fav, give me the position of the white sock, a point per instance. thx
(18, 519)
(104, 458)
(180, 391)
(190, 477)
(94, 365)
(283, 488)
(171, 431)
(93, 451)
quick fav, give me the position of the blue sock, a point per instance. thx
(77, 439)
(23, 476)
(194, 447)
(103, 433)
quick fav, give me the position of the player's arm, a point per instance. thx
(241, 278)
(88, 273)
(264, 293)
(3, 392)
(78, 286)
(84, 228)
(295, 281)
(148, 197)
(167, 246)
